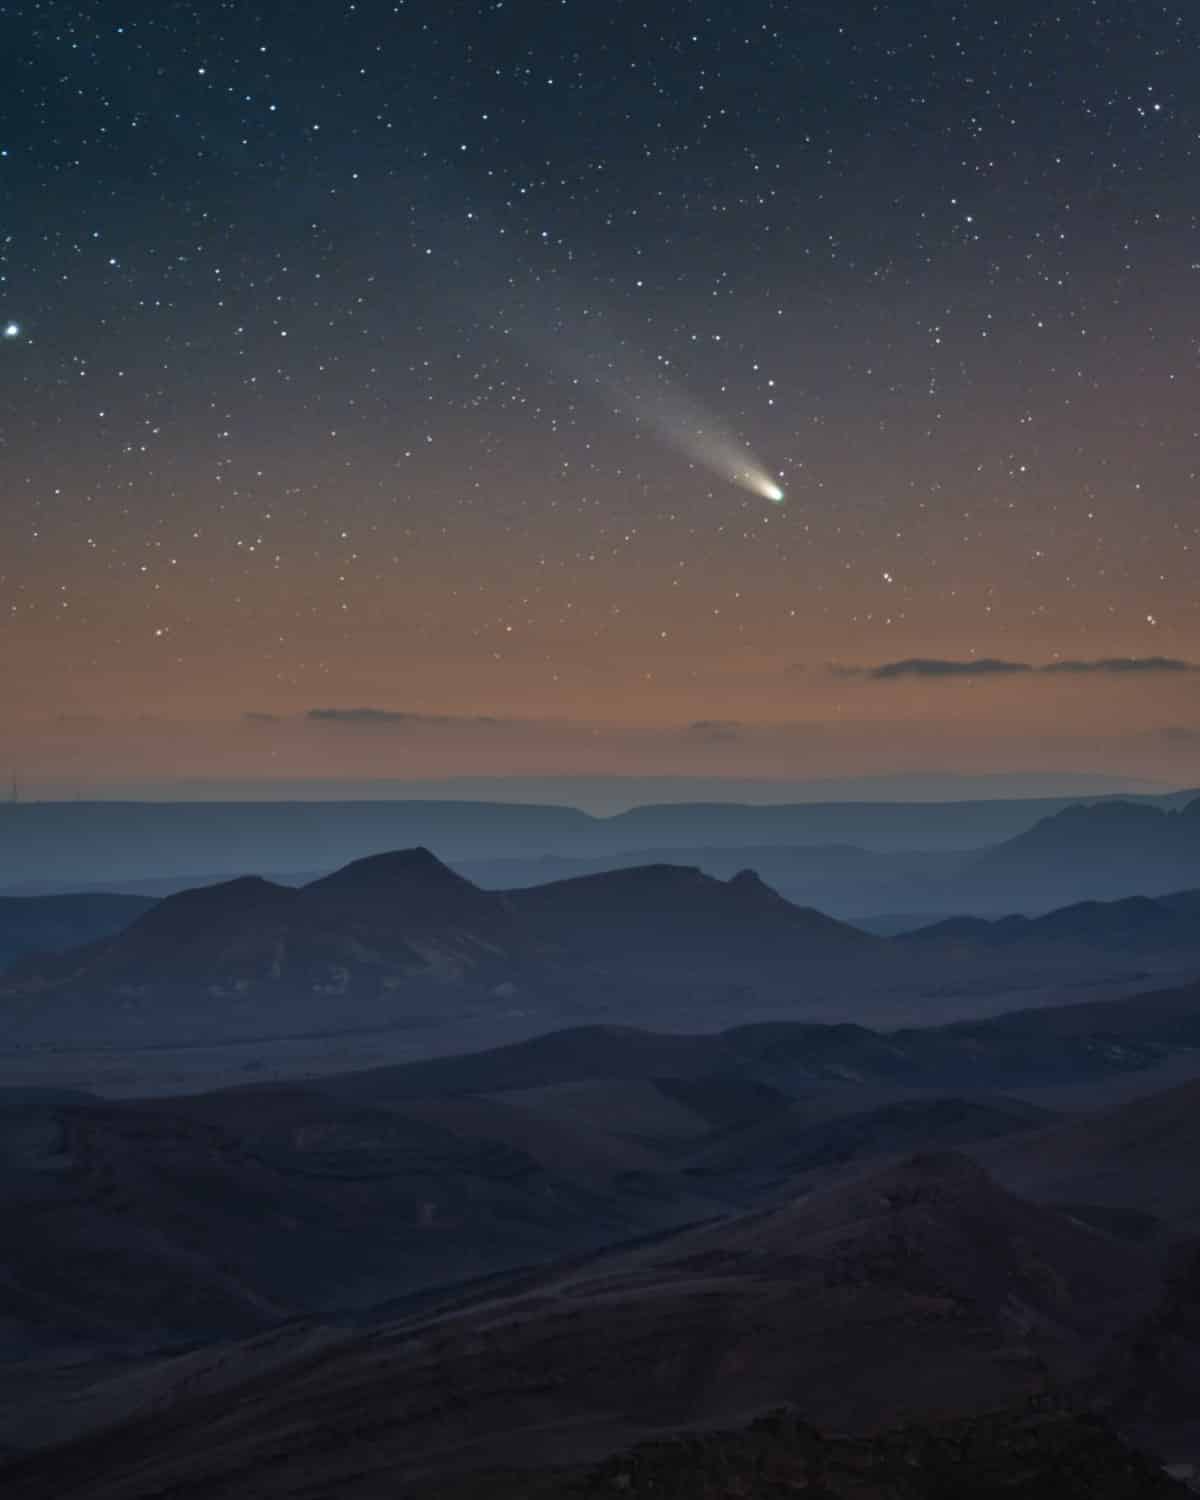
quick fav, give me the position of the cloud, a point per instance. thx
(260, 718)
(1122, 665)
(990, 666)
(927, 666)
(388, 718)
(1180, 735)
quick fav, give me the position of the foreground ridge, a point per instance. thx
(1058, 1456)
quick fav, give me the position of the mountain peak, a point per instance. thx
(396, 867)
(411, 890)
(681, 909)
(191, 912)
(751, 892)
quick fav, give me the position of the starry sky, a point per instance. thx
(401, 390)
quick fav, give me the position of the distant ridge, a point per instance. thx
(1135, 923)
(50, 924)
(111, 842)
(1101, 850)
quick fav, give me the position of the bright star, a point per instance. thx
(12, 330)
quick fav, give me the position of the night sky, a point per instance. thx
(379, 383)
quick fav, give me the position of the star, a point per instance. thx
(12, 330)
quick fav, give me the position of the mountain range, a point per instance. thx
(75, 845)
(571, 1247)
(244, 1206)
(592, 1260)
(228, 1211)
(649, 897)
(395, 938)
(401, 943)
(1105, 850)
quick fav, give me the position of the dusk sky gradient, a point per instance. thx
(353, 359)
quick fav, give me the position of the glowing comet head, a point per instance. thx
(759, 482)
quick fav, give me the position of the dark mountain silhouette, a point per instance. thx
(380, 932)
(842, 880)
(788, 1056)
(659, 908)
(410, 907)
(399, 936)
(410, 898)
(413, 881)
(1137, 924)
(193, 915)
(387, 906)
(923, 1292)
(402, 939)
(387, 917)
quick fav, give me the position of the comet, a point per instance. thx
(573, 335)
(585, 349)
(682, 423)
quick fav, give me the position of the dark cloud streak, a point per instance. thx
(924, 666)
(988, 666)
(387, 718)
